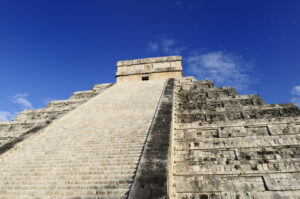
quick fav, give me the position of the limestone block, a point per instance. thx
(83, 94)
(185, 79)
(283, 182)
(163, 65)
(57, 105)
(101, 87)
(149, 60)
(176, 64)
(258, 131)
(196, 134)
(186, 87)
(283, 129)
(37, 115)
(227, 132)
(211, 183)
(140, 67)
(15, 126)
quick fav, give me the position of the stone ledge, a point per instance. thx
(141, 72)
(148, 60)
(101, 87)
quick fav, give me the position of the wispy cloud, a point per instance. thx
(168, 46)
(6, 116)
(165, 45)
(178, 3)
(225, 69)
(188, 3)
(20, 98)
(222, 67)
(153, 46)
(296, 95)
(296, 91)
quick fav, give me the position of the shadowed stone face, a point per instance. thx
(151, 177)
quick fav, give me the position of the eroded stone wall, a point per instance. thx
(231, 147)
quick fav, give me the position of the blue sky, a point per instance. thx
(51, 48)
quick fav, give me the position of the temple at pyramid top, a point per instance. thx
(149, 69)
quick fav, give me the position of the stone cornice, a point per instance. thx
(149, 60)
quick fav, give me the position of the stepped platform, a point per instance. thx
(228, 146)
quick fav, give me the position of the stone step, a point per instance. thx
(38, 114)
(15, 126)
(240, 142)
(244, 114)
(240, 194)
(249, 122)
(269, 129)
(220, 104)
(12, 134)
(262, 154)
(101, 87)
(60, 105)
(83, 94)
(66, 193)
(193, 168)
(212, 93)
(266, 107)
(215, 183)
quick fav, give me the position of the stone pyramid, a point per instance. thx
(153, 134)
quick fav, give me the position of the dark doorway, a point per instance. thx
(145, 78)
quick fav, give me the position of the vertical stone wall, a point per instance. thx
(231, 147)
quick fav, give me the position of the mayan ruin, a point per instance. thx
(153, 134)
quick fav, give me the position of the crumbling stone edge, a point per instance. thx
(150, 180)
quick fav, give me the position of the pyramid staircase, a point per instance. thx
(89, 152)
